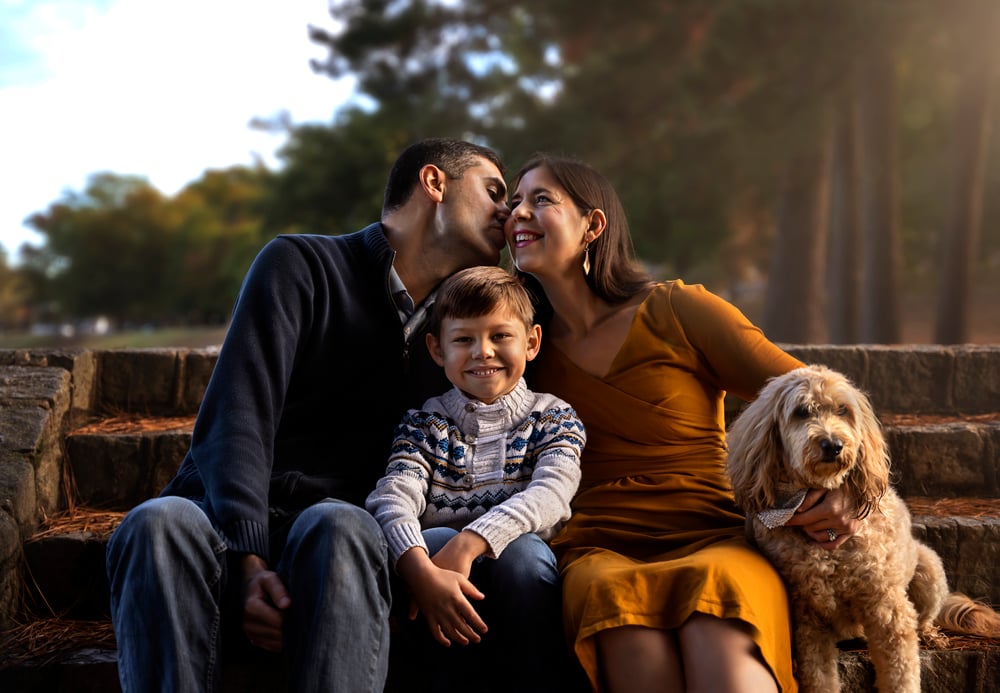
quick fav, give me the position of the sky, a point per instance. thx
(163, 90)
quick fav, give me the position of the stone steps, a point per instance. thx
(107, 430)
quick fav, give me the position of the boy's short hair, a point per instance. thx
(478, 291)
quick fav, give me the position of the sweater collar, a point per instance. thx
(513, 407)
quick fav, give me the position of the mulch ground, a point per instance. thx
(929, 419)
(962, 507)
(134, 423)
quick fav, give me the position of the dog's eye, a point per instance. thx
(801, 412)
(842, 410)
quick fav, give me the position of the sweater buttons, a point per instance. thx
(470, 407)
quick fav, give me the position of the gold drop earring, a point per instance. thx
(586, 259)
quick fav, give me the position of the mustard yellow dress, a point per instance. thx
(655, 534)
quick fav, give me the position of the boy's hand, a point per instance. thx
(442, 595)
(460, 551)
(264, 602)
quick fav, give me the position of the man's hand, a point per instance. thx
(264, 601)
(442, 595)
(829, 518)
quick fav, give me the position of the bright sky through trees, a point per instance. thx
(157, 89)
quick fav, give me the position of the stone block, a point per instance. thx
(43, 387)
(850, 360)
(947, 459)
(166, 452)
(914, 380)
(18, 492)
(111, 471)
(969, 549)
(10, 575)
(144, 381)
(67, 575)
(977, 379)
(197, 371)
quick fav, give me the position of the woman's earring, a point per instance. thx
(586, 259)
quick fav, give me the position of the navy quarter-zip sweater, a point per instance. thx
(312, 378)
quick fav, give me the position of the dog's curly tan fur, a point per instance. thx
(812, 428)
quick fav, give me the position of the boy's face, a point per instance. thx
(485, 356)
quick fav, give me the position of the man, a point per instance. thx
(324, 354)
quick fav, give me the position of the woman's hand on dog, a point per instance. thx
(825, 514)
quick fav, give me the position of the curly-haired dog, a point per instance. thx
(811, 428)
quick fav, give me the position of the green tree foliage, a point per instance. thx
(332, 177)
(697, 110)
(124, 250)
(15, 292)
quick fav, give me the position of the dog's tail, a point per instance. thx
(962, 614)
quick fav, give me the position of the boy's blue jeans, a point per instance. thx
(170, 582)
(524, 649)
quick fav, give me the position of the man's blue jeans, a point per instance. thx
(524, 649)
(171, 580)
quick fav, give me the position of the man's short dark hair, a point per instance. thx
(453, 157)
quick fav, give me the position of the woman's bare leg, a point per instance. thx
(634, 659)
(719, 655)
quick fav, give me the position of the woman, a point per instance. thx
(660, 589)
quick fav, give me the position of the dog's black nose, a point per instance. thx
(831, 447)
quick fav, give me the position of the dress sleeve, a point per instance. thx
(735, 351)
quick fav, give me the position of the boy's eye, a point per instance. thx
(499, 337)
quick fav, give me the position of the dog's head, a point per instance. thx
(809, 428)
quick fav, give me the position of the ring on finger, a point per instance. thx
(831, 534)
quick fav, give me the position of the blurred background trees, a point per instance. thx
(814, 161)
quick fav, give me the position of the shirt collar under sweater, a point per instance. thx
(476, 418)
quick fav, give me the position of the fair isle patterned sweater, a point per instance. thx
(500, 470)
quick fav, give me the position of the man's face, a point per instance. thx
(473, 213)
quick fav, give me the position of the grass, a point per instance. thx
(191, 337)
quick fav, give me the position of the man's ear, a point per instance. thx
(434, 349)
(534, 342)
(432, 180)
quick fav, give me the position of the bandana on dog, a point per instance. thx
(776, 517)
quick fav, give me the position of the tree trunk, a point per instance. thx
(971, 144)
(880, 244)
(844, 264)
(793, 307)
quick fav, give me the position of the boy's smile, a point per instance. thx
(485, 356)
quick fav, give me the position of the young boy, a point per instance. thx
(477, 480)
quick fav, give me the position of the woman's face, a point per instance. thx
(546, 230)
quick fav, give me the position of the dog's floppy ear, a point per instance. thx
(869, 479)
(756, 455)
